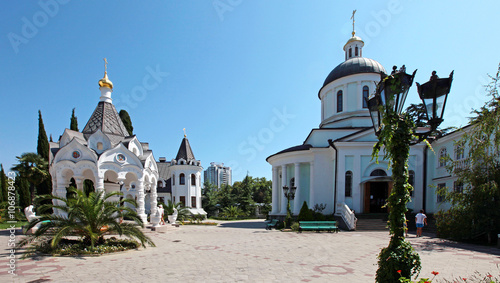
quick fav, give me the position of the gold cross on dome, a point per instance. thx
(353, 21)
(105, 65)
(184, 129)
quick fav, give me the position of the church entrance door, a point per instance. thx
(376, 194)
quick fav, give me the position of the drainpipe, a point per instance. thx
(424, 194)
(335, 183)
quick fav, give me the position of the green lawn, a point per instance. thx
(6, 225)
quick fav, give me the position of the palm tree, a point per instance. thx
(89, 217)
(232, 211)
(182, 212)
(33, 167)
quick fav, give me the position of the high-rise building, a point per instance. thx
(218, 174)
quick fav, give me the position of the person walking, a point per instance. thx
(420, 220)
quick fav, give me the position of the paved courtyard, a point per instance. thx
(245, 251)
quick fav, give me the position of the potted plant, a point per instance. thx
(173, 210)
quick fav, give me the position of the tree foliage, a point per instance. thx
(244, 195)
(23, 192)
(45, 187)
(73, 122)
(127, 122)
(474, 212)
(3, 185)
(33, 168)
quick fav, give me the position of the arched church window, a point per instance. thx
(442, 157)
(193, 180)
(378, 172)
(356, 51)
(350, 52)
(366, 91)
(99, 146)
(411, 181)
(348, 184)
(339, 101)
(173, 180)
(182, 179)
(292, 182)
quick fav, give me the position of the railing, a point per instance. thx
(462, 163)
(347, 215)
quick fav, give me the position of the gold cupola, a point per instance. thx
(105, 82)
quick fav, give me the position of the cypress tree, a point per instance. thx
(126, 121)
(74, 122)
(3, 185)
(23, 190)
(50, 138)
(43, 143)
(45, 188)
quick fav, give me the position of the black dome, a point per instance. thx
(353, 66)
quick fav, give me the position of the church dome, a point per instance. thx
(105, 82)
(355, 65)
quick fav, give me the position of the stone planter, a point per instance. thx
(172, 219)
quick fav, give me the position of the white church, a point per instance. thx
(333, 166)
(104, 153)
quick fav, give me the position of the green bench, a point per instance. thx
(330, 226)
(272, 224)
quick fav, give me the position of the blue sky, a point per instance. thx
(241, 76)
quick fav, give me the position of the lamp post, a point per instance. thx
(290, 195)
(396, 131)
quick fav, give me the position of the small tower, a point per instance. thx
(354, 46)
(185, 172)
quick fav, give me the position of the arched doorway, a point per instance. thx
(376, 192)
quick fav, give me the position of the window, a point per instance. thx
(183, 201)
(292, 182)
(193, 180)
(356, 51)
(458, 187)
(411, 181)
(99, 146)
(193, 202)
(440, 197)
(459, 152)
(366, 92)
(173, 180)
(348, 184)
(173, 200)
(378, 172)
(182, 179)
(442, 157)
(339, 101)
(159, 184)
(350, 52)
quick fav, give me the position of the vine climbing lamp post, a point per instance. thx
(396, 131)
(289, 195)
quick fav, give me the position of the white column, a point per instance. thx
(154, 197)
(60, 191)
(140, 202)
(99, 186)
(275, 191)
(311, 184)
(79, 182)
(283, 183)
(297, 201)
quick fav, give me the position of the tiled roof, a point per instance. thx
(108, 121)
(185, 151)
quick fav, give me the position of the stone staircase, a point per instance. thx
(372, 222)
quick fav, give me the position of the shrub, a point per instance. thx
(305, 213)
(295, 226)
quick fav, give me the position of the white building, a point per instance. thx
(107, 155)
(218, 174)
(334, 165)
(180, 179)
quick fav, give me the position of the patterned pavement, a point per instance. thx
(245, 251)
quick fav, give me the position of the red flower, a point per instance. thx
(465, 279)
(399, 271)
(427, 282)
(489, 275)
(435, 273)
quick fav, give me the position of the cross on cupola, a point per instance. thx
(354, 46)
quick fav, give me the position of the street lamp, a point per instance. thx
(396, 131)
(290, 195)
